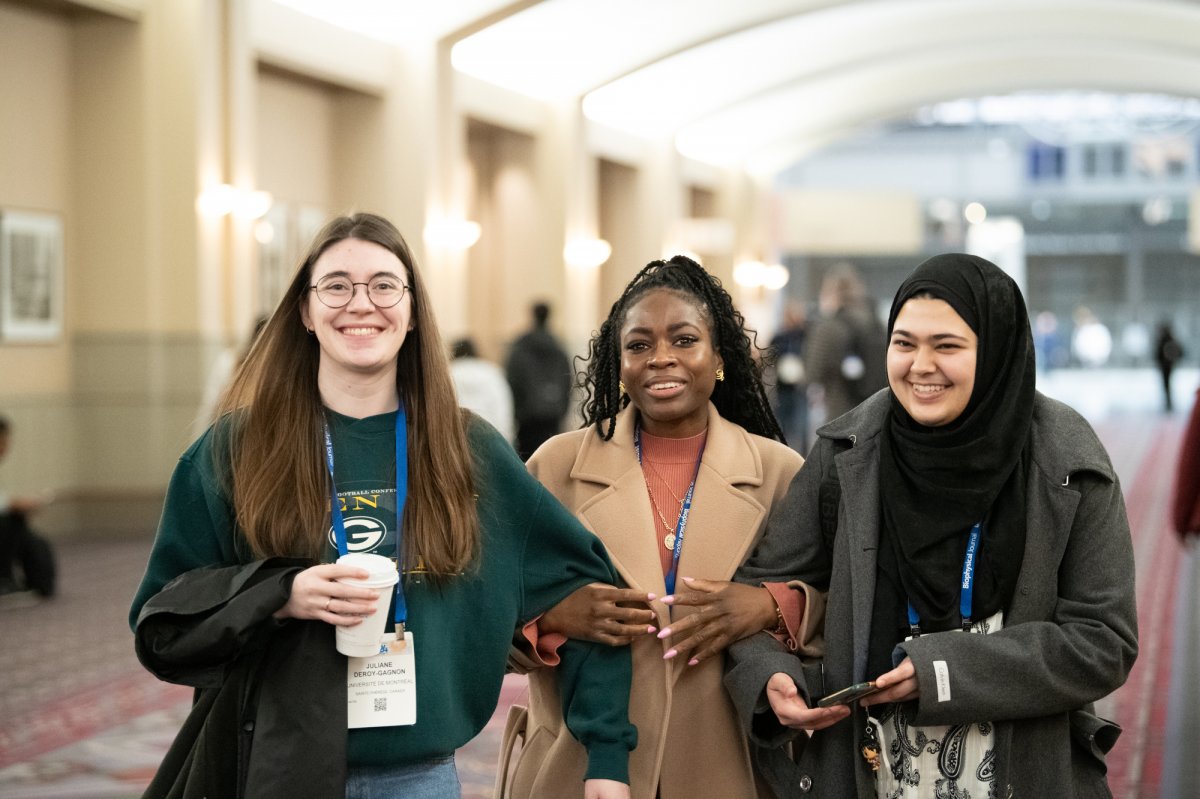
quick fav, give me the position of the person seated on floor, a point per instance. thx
(21, 549)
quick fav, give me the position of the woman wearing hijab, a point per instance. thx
(978, 566)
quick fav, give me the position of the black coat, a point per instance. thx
(269, 718)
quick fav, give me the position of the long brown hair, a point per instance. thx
(278, 474)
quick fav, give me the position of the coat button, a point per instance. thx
(248, 726)
(805, 784)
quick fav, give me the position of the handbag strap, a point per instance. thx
(515, 727)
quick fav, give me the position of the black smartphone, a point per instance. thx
(848, 695)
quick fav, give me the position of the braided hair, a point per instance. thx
(740, 397)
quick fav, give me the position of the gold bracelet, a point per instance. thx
(780, 624)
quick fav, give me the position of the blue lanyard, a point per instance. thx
(339, 524)
(966, 594)
(673, 572)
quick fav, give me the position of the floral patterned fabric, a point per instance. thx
(937, 761)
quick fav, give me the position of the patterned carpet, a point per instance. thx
(79, 718)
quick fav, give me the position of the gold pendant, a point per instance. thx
(669, 541)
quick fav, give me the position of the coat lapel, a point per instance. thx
(725, 519)
(721, 527)
(858, 474)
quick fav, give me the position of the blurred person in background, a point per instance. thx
(1185, 505)
(220, 375)
(27, 561)
(539, 374)
(791, 377)
(341, 433)
(844, 349)
(676, 470)
(481, 387)
(1167, 352)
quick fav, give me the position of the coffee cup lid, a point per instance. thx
(381, 571)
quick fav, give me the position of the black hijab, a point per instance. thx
(937, 482)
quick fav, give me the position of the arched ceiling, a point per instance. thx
(762, 82)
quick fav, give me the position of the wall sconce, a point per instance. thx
(755, 274)
(586, 253)
(452, 234)
(224, 199)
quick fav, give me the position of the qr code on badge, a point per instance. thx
(381, 704)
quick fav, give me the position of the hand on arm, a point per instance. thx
(792, 711)
(898, 685)
(605, 789)
(601, 613)
(725, 612)
(316, 594)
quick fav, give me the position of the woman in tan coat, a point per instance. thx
(675, 470)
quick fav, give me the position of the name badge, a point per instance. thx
(381, 690)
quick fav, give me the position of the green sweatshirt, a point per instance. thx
(533, 553)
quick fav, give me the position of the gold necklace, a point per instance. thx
(668, 539)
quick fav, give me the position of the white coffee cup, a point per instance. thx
(362, 640)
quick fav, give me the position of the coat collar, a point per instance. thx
(727, 451)
(1063, 442)
(724, 521)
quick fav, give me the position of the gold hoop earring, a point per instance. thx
(720, 375)
(621, 388)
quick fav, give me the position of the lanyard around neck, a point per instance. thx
(686, 508)
(339, 524)
(966, 596)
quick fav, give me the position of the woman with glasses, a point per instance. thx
(676, 470)
(341, 434)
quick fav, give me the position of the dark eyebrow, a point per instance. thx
(675, 328)
(344, 273)
(935, 337)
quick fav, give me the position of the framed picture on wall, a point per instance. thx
(31, 276)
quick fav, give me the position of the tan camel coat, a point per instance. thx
(690, 743)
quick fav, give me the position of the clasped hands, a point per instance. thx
(724, 612)
(898, 685)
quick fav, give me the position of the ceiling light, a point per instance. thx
(452, 234)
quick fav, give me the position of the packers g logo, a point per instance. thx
(362, 534)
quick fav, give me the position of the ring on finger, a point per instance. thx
(327, 601)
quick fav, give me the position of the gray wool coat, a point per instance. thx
(1069, 638)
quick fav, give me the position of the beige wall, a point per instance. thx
(35, 172)
(295, 141)
(118, 114)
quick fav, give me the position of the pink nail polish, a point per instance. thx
(668, 599)
(651, 597)
(650, 628)
(693, 662)
(688, 579)
(666, 632)
(670, 654)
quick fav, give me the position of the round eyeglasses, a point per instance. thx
(336, 291)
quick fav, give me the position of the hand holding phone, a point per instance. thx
(849, 695)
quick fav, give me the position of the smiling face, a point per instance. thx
(931, 361)
(358, 340)
(669, 363)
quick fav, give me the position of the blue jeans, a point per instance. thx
(430, 779)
